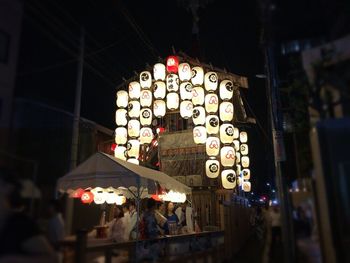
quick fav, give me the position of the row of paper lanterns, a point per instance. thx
(99, 196)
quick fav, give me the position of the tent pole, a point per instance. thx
(138, 216)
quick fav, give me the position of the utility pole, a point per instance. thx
(75, 133)
(277, 131)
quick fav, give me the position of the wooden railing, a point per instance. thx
(198, 247)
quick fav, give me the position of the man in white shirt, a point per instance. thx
(133, 220)
(126, 221)
(184, 213)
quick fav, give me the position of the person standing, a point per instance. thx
(133, 220)
(276, 233)
(172, 219)
(117, 227)
(55, 228)
(126, 221)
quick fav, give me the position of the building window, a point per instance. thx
(4, 46)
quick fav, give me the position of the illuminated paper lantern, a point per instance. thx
(245, 161)
(99, 196)
(146, 117)
(212, 146)
(211, 81)
(120, 200)
(246, 186)
(185, 72)
(120, 152)
(145, 79)
(228, 179)
(186, 91)
(111, 196)
(212, 124)
(159, 108)
(235, 133)
(199, 135)
(133, 160)
(172, 101)
(211, 103)
(197, 95)
(243, 137)
(122, 99)
(172, 82)
(174, 197)
(226, 111)
(77, 193)
(146, 135)
(159, 90)
(172, 64)
(134, 109)
(134, 128)
(121, 135)
(227, 156)
(134, 90)
(87, 197)
(133, 148)
(244, 149)
(212, 168)
(226, 90)
(246, 174)
(238, 157)
(226, 133)
(120, 117)
(146, 98)
(236, 144)
(159, 71)
(197, 76)
(186, 109)
(198, 115)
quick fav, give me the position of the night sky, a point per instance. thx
(124, 36)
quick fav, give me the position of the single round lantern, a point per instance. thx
(134, 128)
(99, 196)
(186, 90)
(226, 133)
(111, 196)
(199, 135)
(172, 101)
(122, 99)
(146, 135)
(212, 146)
(159, 108)
(172, 64)
(159, 90)
(238, 157)
(197, 95)
(186, 109)
(226, 111)
(146, 98)
(246, 186)
(172, 82)
(235, 133)
(145, 79)
(212, 168)
(212, 124)
(185, 72)
(243, 137)
(120, 152)
(227, 156)
(159, 71)
(77, 193)
(245, 161)
(226, 89)
(121, 135)
(120, 117)
(133, 148)
(197, 76)
(146, 117)
(211, 103)
(87, 197)
(133, 160)
(198, 115)
(244, 149)
(246, 174)
(134, 90)
(134, 109)
(236, 144)
(211, 81)
(228, 179)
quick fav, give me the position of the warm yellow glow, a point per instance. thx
(134, 90)
(212, 168)
(198, 115)
(145, 79)
(146, 117)
(226, 90)
(186, 90)
(211, 103)
(119, 152)
(122, 99)
(197, 76)
(172, 101)
(212, 146)
(226, 133)
(197, 95)
(134, 109)
(133, 148)
(226, 111)
(186, 109)
(146, 135)
(146, 98)
(212, 124)
(228, 179)
(159, 108)
(120, 117)
(211, 81)
(159, 71)
(199, 135)
(159, 90)
(134, 128)
(121, 135)
(185, 72)
(227, 156)
(172, 82)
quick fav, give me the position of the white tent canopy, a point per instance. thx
(103, 170)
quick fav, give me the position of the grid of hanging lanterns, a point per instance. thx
(194, 92)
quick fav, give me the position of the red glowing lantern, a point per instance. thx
(156, 197)
(172, 64)
(87, 197)
(160, 130)
(113, 146)
(77, 193)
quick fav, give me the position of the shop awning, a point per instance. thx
(103, 170)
